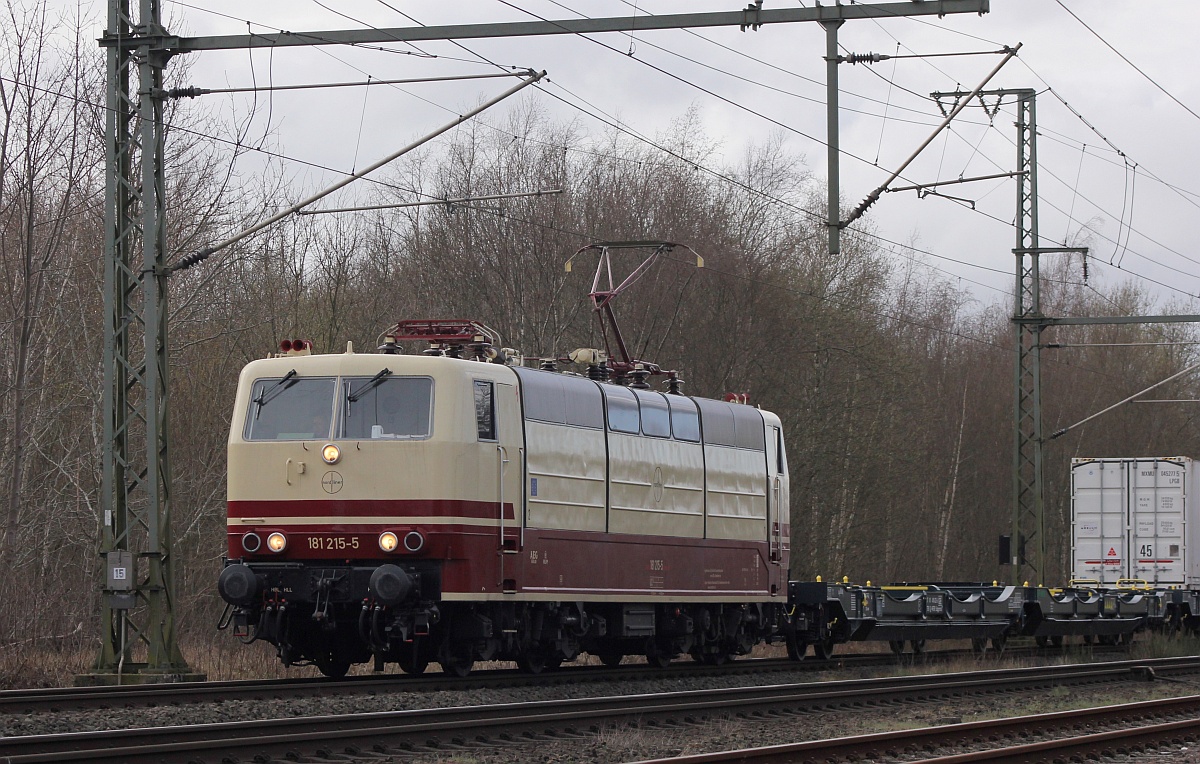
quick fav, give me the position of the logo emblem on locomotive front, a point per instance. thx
(331, 481)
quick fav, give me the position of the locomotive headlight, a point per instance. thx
(331, 453)
(277, 542)
(388, 541)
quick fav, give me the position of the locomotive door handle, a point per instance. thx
(777, 524)
(287, 470)
(521, 496)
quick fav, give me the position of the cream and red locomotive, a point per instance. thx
(449, 507)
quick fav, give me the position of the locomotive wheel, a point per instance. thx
(334, 668)
(412, 665)
(458, 667)
(658, 660)
(823, 649)
(897, 646)
(796, 648)
(532, 661)
(610, 659)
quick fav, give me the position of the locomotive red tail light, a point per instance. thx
(413, 541)
(285, 346)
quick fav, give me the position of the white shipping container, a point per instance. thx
(1129, 519)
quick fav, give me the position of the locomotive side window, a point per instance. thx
(485, 410)
(685, 421)
(718, 422)
(622, 410)
(544, 398)
(561, 399)
(750, 432)
(290, 408)
(656, 421)
(398, 408)
(585, 408)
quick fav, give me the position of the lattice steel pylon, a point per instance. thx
(138, 635)
(1028, 514)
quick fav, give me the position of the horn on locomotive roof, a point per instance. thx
(621, 364)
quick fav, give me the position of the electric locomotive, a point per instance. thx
(458, 506)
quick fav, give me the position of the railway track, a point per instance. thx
(1135, 729)
(88, 698)
(499, 725)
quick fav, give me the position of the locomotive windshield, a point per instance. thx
(290, 408)
(386, 407)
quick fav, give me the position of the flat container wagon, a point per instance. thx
(1130, 520)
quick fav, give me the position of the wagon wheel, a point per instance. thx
(897, 646)
(1042, 641)
(823, 649)
(918, 646)
(610, 659)
(998, 644)
(979, 645)
(1057, 640)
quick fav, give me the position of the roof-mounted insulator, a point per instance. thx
(389, 346)
(674, 383)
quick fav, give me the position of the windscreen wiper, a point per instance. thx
(368, 386)
(286, 381)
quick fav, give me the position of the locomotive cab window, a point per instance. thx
(290, 408)
(485, 410)
(386, 407)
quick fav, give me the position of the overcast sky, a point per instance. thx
(1137, 209)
